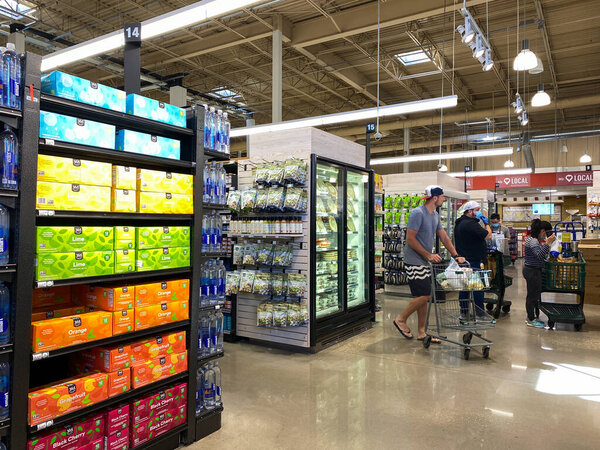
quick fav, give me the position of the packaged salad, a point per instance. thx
(275, 198)
(248, 200)
(275, 174)
(261, 199)
(264, 314)
(296, 284)
(293, 199)
(303, 320)
(247, 281)
(295, 171)
(238, 254)
(261, 175)
(283, 255)
(250, 253)
(232, 282)
(233, 201)
(278, 284)
(265, 254)
(262, 283)
(293, 314)
(280, 315)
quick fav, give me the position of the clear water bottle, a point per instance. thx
(214, 333)
(222, 182)
(204, 285)
(219, 138)
(219, 316)
(12, 76)
(206, 234)
(10, 158)
(2, 82)
(209, 388)
(5, 390)
(4, 314)
(221, 275)
(212, 120)
(4, 235)
(199, 390)
(206, 127)
(215, 233)
(206, 193)
(214, 283)
(205, 334)
(212, 189)
(226, 130)
(217, 370)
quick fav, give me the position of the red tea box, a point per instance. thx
(119, 382)
(96, 445)
(118, 440)
(117, 419)
(156, 404)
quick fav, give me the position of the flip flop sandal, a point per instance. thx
(433, 340)
(403, 333)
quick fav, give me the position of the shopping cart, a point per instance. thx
(498, 285)
(454, 314)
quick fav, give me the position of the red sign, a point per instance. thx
(511, 181)
(574, 178)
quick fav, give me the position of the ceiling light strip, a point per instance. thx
(489, 173)
(442, 156)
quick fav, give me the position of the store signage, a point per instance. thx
(510, 181)
(469, 183)
(574, 178)
(370, 127)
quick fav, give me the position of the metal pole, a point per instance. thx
(406, 148)
(132, 60)
(277, 95)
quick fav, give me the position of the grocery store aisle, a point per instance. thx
(539, 389)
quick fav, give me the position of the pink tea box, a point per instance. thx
(116, 419)
(118, 440)
(155, 404)
(151, 428)
(96, 445)
(72, 436)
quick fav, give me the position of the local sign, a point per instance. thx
(574, 178)
(511, 181)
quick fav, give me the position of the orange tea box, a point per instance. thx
(119, 381)
(71, 330)
(109, 298)
(52, 296)
(163, 313)
(165, 291)
(66, 396)
(156, 369)
(55, 313)
(122, 321)
(164, 345)
(107, 359)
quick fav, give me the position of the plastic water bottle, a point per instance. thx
(205, 335)
(221, 274)
(212, 118)
(206, 193)
(3, 83)
(226, 130)
(219, 317)
(213, 225)
(213, 183)
(10, 158)
(214, 282)
(206, 234)
(199, 390)
(4, 235)
(217, 370)
(209, 388)
(219, 137)
(214, 333)
(222, 182)
(5, 390)
(206, 127)
(12, 75)
(4, 314)
(204, 285)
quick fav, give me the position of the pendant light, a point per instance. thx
(526, 59)
(539, 68)
(518, 104)
(524, 119)
(541, 98)
(585, 158)
(479, 49)
(488, 63)
(509, 163)
(467, 32)
(442, 167)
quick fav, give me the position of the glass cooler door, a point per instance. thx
(328, 298)
(357, 232)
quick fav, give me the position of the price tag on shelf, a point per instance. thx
(44, 425)
(45, 212)
(49, 141)
(45, 284)
(41, 355)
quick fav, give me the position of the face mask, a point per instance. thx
(478, 214)
(495, 225)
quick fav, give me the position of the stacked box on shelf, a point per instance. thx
(83, 433)
(114, 361)
(148, 108)
(123, 192)
(161, 303)
(76, 130)
(162, 248)
(147, 144)
(164, 192)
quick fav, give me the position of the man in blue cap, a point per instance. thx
(423, 226)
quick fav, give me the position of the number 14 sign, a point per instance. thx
(133, 32)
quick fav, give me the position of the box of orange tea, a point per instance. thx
(163, 291)
(158, 369)
(166, 344)
(107, 298)
(52, 313)
(163, 313)
(52, 296)
(66, 396)
(123, 321)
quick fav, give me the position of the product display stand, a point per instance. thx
(230, 309)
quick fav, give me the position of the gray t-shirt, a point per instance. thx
(426, 225)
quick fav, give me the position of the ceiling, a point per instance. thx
(330, 60)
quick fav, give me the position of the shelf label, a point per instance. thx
(44, 284)
(45, 212)
(41, 355)
(49, 141)
(44, 425)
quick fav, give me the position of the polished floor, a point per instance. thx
(539, 389)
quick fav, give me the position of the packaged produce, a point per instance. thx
(261, 199)
(67, 170)
(158, 403)
(261, 175)
(275, 176)
(233, 200)
(162, 258)
(275, 198)
(157, 181)
(282, 255)
(265, 254)
(164, 203)
(71, 330)
(160, 314)
(64, 397)
(163, 345)
(77, 131)
(280, 315)
(156, 369)
(155, 110)
(238, 254)
(296, 284)
(124, 238)
(232, 283)
(73, 197)
(159, 237)
(118, 440)
(117, 419)
(162, 291)
(264, 314)
(123, 321)
(51, 313)
(248, 199)
(250, 254)
(61, 266)
(78, 434)
(295, 200)
(123, 200)
(107, 298)
(279, 284)
(81, 90)
(119, 381)
(73, 239)
(147, 144)
(124, 261)
(262, 283)
(293, 314)
(303, 312)
(58, 296)
(295, 171)
(247, 280)
(124, 177)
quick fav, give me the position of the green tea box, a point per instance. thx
(124, 261)
(162, 258)
(60, 266)
(160, 237)
(73, 239)
(124, 238)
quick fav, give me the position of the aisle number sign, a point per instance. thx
(370, 127)
(133, 32)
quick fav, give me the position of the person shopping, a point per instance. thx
(497, 227)
(471, 237)
(537, 247)
(423, 225)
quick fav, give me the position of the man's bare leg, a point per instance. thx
(414, 305)
(422, 316)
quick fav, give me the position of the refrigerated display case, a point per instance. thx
(342, 236)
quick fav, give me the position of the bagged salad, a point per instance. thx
(296, 199)
(280, 315)
(275, 176)
(293, 314)
(265, 254)
(248, 200)
(296, 284)
(261, 199)
(232, 282)
(261, 175)
(262, 283)
(247, 281)
(275, 198)
(279, 284)
(295, 171)
(250, 255)
(233, 200)
(264, 314)
(282, 255)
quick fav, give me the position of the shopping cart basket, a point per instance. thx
(454, 314)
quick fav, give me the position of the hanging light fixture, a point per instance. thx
(468, 34)
(526, 59)
(509, 163)
(585, 158)
(479, 48)
(524, 119)
(564, 149)
(539, 68)
(442, 167)
(518, 104)
(488, 63)
(540, 98)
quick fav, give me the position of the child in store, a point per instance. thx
(537, 247)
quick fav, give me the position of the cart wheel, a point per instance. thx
(466, 353)
(489, 306)
(427, 341)
(486, 352)
(467, 337)
(506, 309)
(577, 327)
(550, 324)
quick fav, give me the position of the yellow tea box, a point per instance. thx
(78, 197)
(124, 238)
(123, 200)
(124, 177)
(156, 181)
(67, 170)
(165, 203)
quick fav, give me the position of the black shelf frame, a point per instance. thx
(53, 216)
(170, 439)
(204, 359)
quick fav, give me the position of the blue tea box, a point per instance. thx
(155, 110)
(77, 131)
(147, 144)
(85, 91)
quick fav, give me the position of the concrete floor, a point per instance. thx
(539, 389)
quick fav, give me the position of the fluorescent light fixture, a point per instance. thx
(540, 98)
(163, 24)
(415, 57)
(489, 138)
(450, 155)
(526, 59)
(548, 191)
(489, 173)
(585, 158)
(499, 412)
(350, 116)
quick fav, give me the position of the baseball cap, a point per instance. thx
(470, 205)
(433, 191)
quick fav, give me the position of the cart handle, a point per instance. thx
(569, 225)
